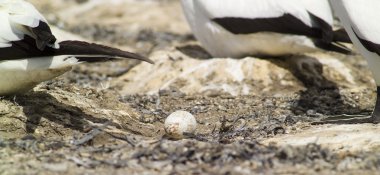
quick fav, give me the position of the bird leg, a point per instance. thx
(355, 119)
(376, 112)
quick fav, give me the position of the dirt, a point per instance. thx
(85, 123)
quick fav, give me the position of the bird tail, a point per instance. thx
(333, 46)
(341, 35)
(90, 52)
(334, 43)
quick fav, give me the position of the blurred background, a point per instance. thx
(143, 25)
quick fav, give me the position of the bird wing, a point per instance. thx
(311, 18)
(21, 26)
(24, 33)
(364, 22)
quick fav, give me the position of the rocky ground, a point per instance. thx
(254, 115)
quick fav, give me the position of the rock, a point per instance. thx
(247, 76)
(52, 112)
(340, 138)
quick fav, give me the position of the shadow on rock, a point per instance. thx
(321, 94)
(37, 105)
(194, 51)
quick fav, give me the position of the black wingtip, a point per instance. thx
(335, 47)
(131, 55)
(83, 48)
(142, 58)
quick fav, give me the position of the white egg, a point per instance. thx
(178, 123)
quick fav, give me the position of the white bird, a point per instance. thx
(30, 54)
(236, 28)
(361, 21)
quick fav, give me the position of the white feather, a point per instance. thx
(363, 18)
(221, 43)
(40, 63)
(16, 17)
(266, 8)
(6, 31)
(19, 76)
